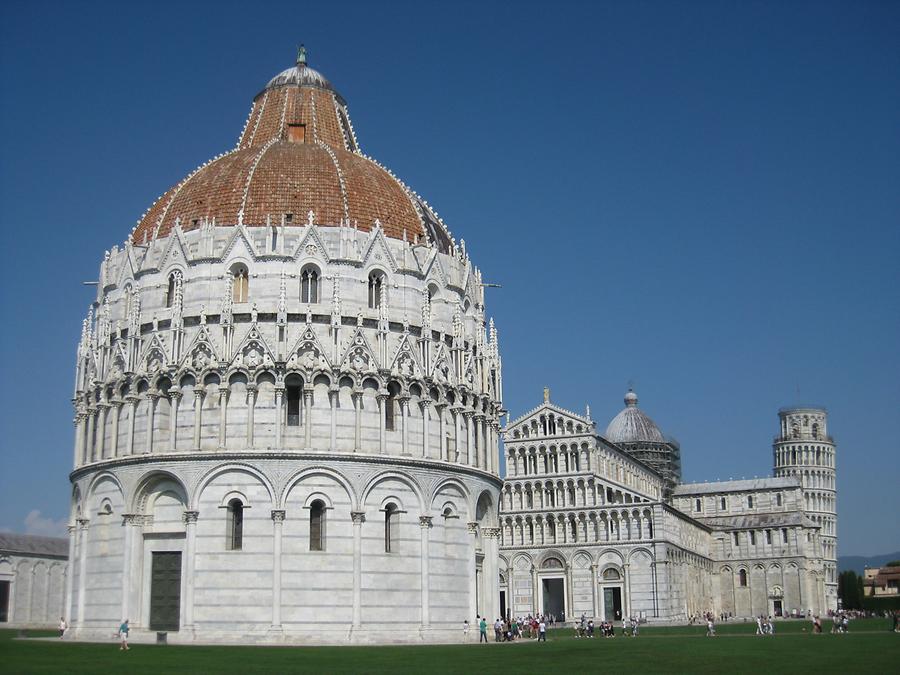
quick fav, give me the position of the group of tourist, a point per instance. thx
(510, 629)
(764, 625)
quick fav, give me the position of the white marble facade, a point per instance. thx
(587, 528)
(366, 406)
(33, 571)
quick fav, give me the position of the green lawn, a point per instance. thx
(683, 649)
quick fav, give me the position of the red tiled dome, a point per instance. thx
(297, 153)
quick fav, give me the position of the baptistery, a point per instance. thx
(287, 402)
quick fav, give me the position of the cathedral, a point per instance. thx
(288, 406)
(601, 524)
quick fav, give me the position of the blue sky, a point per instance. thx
(702, 198)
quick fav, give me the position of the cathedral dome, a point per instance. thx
(632, 425)
(297, 154)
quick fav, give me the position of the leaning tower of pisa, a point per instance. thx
(804, 449)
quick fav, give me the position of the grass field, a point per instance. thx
(870, 647)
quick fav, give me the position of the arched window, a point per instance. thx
(742, 578)
(241, 288)
(611, 575)
(170, 290)
(126, 297)
(749, 501)
(235, 534)
(390, 408)
(778, 499)
(376, 289)
(317, 526)
(391, 528)
(293, 392)
(309, 285)
(815, 431)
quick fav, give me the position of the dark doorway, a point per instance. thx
(778, 609)
(4, 601)
(554, 598)
(612, 603)
(502, 603)
(165, 591)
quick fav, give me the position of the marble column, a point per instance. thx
(404, 424)
(425, 526)
(114, 432)
(442, 430)
(89, 436)
(152, 398)
(279, 396)
(252, 393)
(473, 570)
(359, 517)
(333, 394)
(67, 612)
(223, 416)
(128, 522)
(357, 421)
(307, 417)
(595, 591)
(190, 554)
(198, 414)
(277, 525)
(174, 401)
(426, 430)
(382, 432)
(79, 439)
(83, 524)
(132, 411)
(101, 435)
(470, 438)
(627, 590)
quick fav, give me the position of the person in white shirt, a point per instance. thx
(542, 631)
(62, 626)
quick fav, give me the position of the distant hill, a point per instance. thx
(858, 563)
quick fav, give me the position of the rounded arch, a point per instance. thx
(143, 487)
(548, 555)
(338, 477)
(486, 509)
(394, 475)
(639, 550)
(447, 483)
(216, 471)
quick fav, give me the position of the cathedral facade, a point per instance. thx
(600, 524)
(287, 402)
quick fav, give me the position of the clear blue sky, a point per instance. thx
(703, 198)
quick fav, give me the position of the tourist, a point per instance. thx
(62, 627)
(770, 627)
(710, 628)
(466, 630)
(542, 631)
(482, 629)
(123, 636)
(759, 626)
(591, 628)
(635, 627)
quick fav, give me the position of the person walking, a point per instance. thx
(710, 628)
(123, 636)
(542, 631)
(62, 627)
(482, 630)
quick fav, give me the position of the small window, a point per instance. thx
(698, 505)
(723, 504)
(297, 133)
(293, 393)
(778, 499)
(750, 501)
(742, 578)
(235, 534)
(769, 537)
(376, 289)
(390, 411)
(317, 526)
(391, 528)
(752, 538)
(784, 535)
(170, 289)
(241, 284)
(309, 285)
(737, 541)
